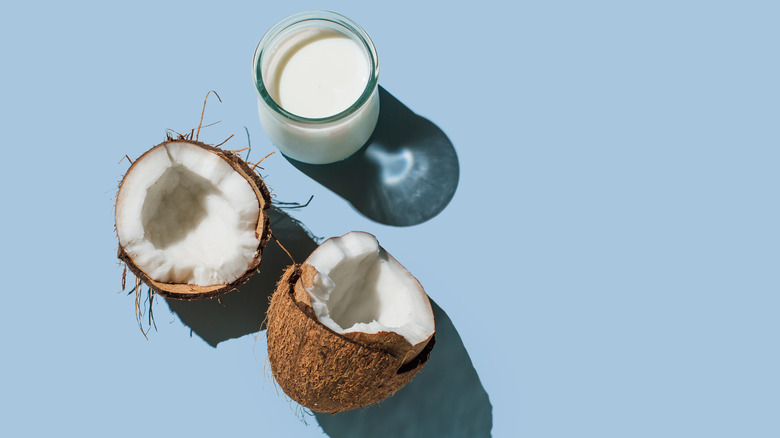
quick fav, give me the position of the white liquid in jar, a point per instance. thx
(315, 73)
(320, 74)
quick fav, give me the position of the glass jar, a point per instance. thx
(290, 76)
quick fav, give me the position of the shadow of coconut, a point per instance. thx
(242, 311)
(404, 175)
(445, 400)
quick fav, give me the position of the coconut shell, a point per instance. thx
(390, 342)
(262, 231)
(326, 371)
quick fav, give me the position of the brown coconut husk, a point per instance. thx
(330, 372)
(262, 230)
(390, 342)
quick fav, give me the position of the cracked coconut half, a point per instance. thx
(348, 327)
(191, 219)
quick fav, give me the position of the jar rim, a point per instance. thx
(345, 25)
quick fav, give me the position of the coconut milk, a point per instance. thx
(321, 75)
(318, 99)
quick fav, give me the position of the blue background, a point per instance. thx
(610, 257)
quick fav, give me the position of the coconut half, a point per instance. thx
(348, 327)
(191, 219)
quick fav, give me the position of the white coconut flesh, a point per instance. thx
(186, 216)
(359, 287)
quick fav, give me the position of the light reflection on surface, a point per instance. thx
(394, 166)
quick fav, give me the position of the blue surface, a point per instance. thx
(609, 259)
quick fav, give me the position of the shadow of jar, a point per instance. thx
(404, 175)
